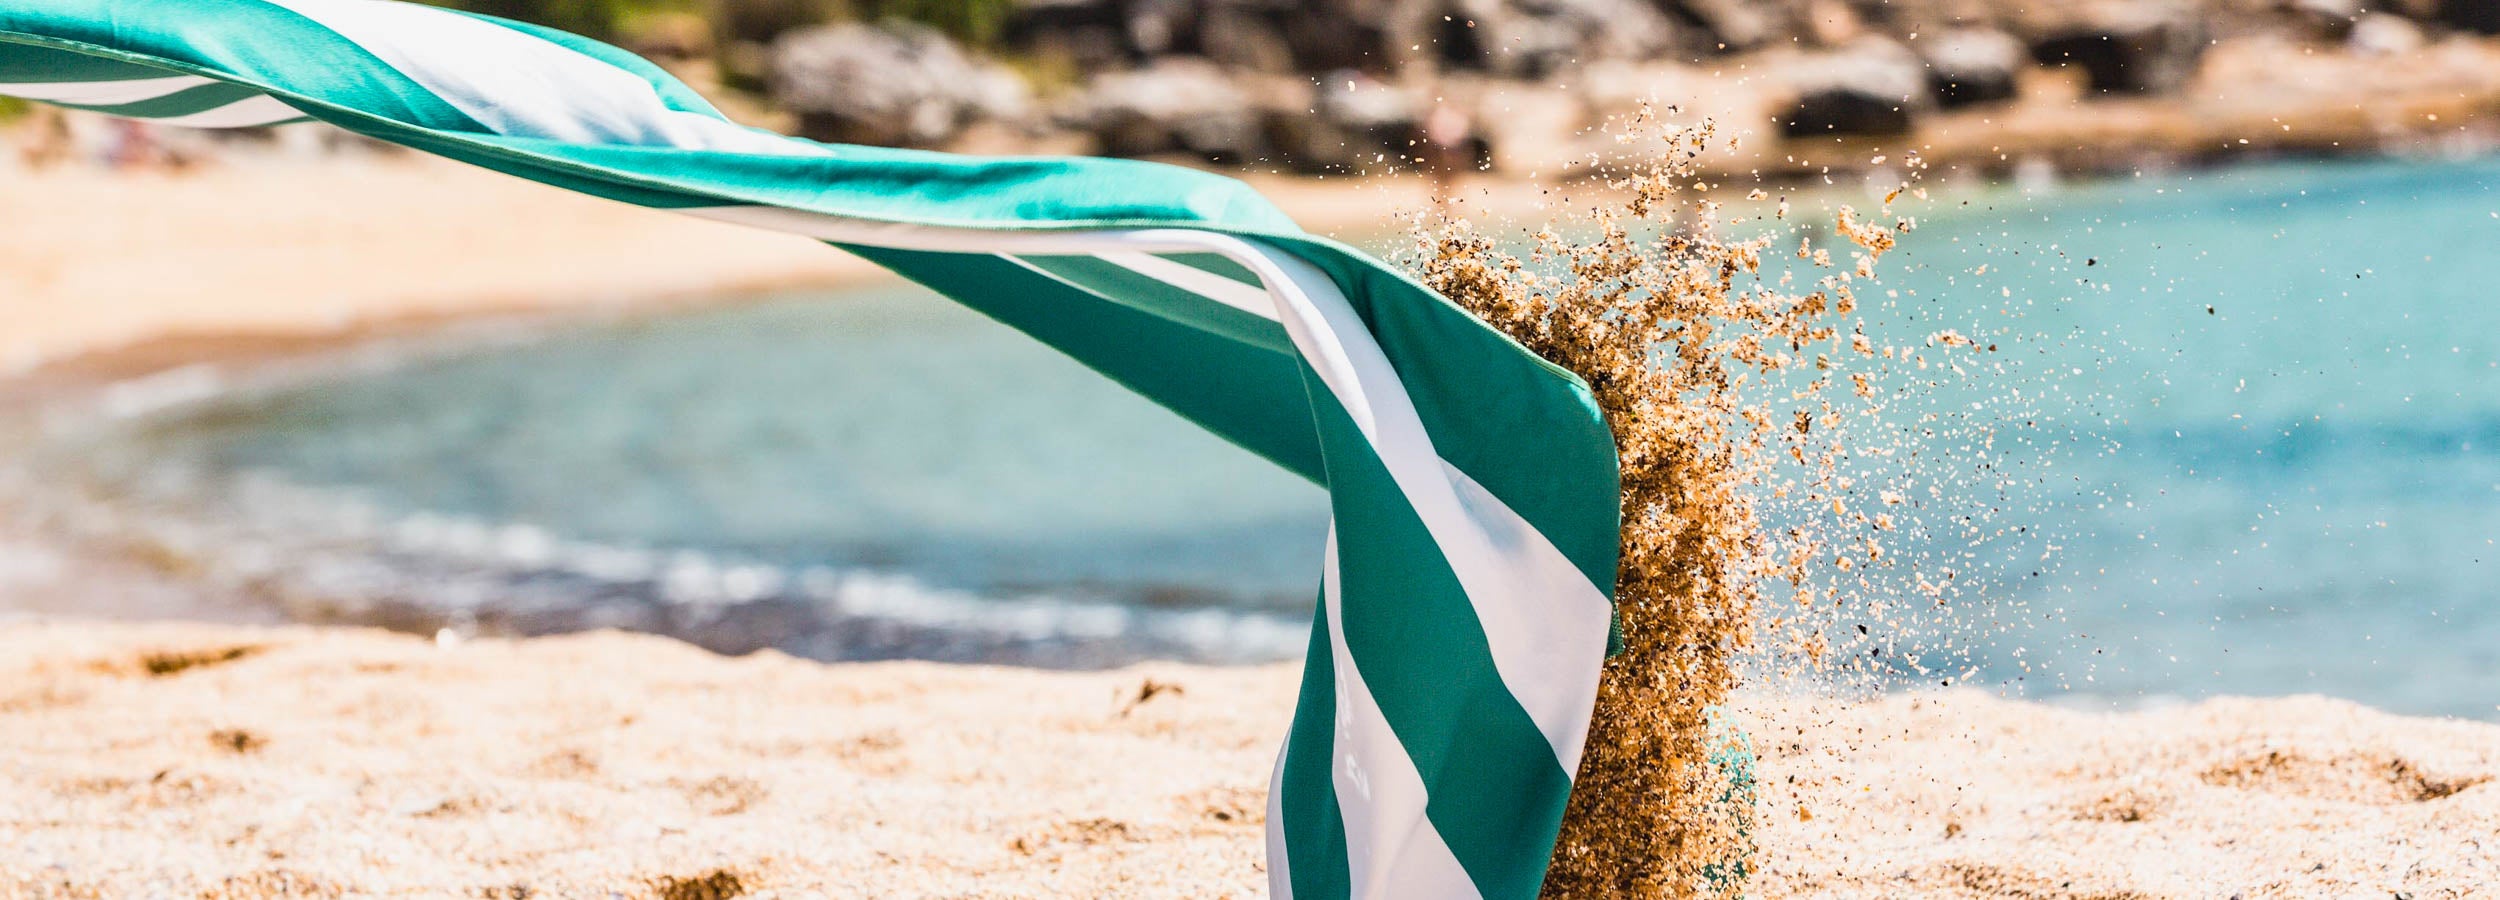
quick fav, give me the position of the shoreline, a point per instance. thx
(252, 760)
(432, 266)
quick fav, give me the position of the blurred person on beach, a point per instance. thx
(45, 140)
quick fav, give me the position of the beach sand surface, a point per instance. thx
(220, 761)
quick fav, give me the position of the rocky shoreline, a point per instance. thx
(1529, 87)
(1538, 90)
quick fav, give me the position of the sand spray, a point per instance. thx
(1742, 391)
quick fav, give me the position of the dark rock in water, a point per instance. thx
(890, 85)
(1173, 105)
(1972, 65)
(2127, 47)
(1872, 87)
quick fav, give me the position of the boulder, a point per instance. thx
(1247, 36)
(1160, 27)
(1544, 38)
(2381, 34)
(2330, 18)
(2477, 16)
(743, 33)
(1740, 24)
(1346, 124)
(1326, 35)
(890, 85)
(1516, 38)
(1969, 66)
(1872, 87)
(1173, 105)
(1930, 17)
(1087, 34)
(2123, 46)
(761, 22)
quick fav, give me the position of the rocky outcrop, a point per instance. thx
(1542, 38)
(892, 85)
(1349, 122)
(1175, 105)
(2381, 34)
(1872, 87)
(2477, 16)
(1523, 38)
(1090, 35)
(2123, 46)
(1332, 85)
(1969, 66)
(1739, 24)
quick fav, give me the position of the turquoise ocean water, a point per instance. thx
(2246, 439)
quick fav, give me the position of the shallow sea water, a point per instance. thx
(2296, 490)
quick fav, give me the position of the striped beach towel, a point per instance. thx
(1464, 609)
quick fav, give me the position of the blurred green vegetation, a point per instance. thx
(602, 19)
(13, 109)
(974, 22)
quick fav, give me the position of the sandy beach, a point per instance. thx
(176, 760)
(95, 259)
(227, 761)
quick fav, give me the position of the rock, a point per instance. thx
(1346, 34)
(1089, 35)
(889, 85)
(1832, 23)
(1248, 37)
(2380, 34)
(1968, 66)
(1932, 17)
(2123, 47)
(764, 21)
(2329, 10)
(1350, 122)
(1160, 27)
(2477, 16)
(744, 32)
(1515, 38)
(1739, 24)
(1173, 105)
(1872, 87)
(1542, 38)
